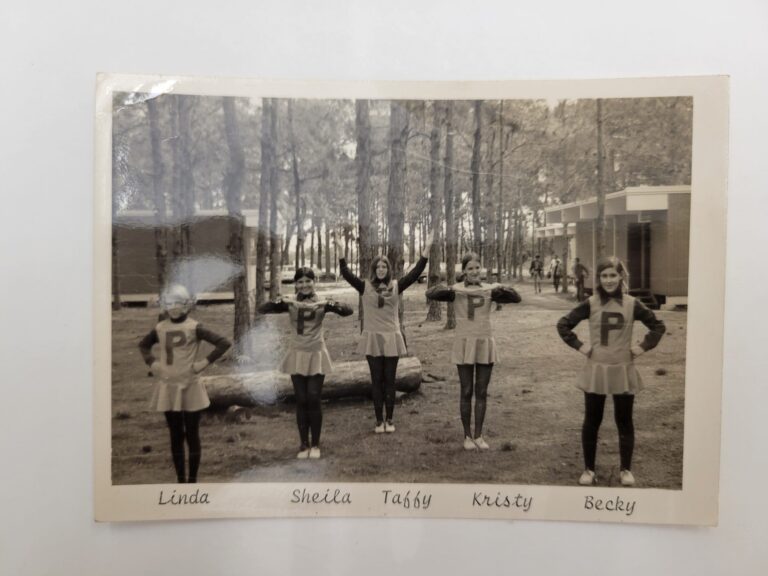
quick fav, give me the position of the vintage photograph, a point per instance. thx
(425, 291)
(409, 291)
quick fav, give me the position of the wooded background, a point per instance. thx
(381, 175)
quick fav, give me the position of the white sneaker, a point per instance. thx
(389, 427)
(627, 479)
(314, 452)
(481, 443)
(303, 454)
(469, 444)
(379, 429)
(588, 478)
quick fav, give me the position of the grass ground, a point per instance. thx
(532, 424)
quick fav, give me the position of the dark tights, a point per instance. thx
(309, 415)
(477, 377)
(593, 416)
(185, 426)
(383, 370)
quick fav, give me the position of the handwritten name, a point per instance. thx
(501, 500)
(178, 499)
(336, 496)
(611, 504)
(417, 501)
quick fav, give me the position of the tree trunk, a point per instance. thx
(275, 255)
(312, 229)
(435, 207)
(398, 134)
(413, 227)
(267, 162)
(233, 184)
(564, 287)
(327, 248)
(499, 207)
(600, 222)
(286, 253)
(450, 211)
(116, 146)
(490, 237)
(183, 182)
(475, 169)
(160, 232)
(348, 380)
(363, 191)
(296, 188)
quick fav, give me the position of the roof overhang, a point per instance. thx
(554, 230)
(627, 201)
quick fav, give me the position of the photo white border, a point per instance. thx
(696, 503)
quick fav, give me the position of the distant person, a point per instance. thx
(537, 273)
(610, 367)
(307, 360)
(580, 273)
(382, 341)
(474, 348)
(555, 272)
(179, 394)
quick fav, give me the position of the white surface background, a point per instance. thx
(50, 53)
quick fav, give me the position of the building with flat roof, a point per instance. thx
(647, 227)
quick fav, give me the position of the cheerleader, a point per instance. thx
(610, 367)
(307, 360)
(382, 340)
(474, 348)
(179, 393)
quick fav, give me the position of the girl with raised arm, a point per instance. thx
(474, 348)
(381, 340)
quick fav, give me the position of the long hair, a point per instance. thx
(611, 262)
(374, 263)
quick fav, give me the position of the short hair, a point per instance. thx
(304, 272)
(467, 258)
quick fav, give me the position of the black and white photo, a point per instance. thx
(332, 300)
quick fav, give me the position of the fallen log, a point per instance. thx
(349, 379)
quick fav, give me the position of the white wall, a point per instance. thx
(50, 53)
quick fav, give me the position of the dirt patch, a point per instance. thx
(533, 420)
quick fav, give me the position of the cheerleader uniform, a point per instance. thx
(610, 368)
(474, 348)
(307, 360)
(178, 392)
(382, 340)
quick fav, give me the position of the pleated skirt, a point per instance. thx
(382, 344)
(307, 362)
(600, 378)
(175, 395)
(474, 350)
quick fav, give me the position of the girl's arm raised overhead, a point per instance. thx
(338, 308)
(350, 277)
(413, 275)
(417, 270)
(346, 273)
(441, 293)
(505, 295)
(567, 323)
